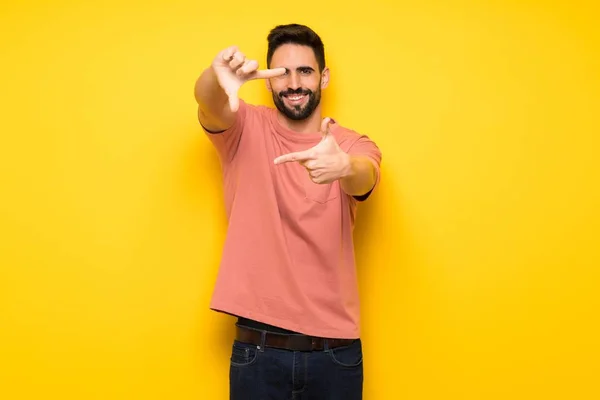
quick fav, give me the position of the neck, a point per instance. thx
(311, 124)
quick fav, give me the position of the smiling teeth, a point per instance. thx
(294, 98)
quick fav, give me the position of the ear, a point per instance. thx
(268, 85)
(325, 78)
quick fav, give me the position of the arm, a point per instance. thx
(360, 176)
(214, 113)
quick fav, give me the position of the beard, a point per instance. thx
(298, 112)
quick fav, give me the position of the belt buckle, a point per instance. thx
(297, 342)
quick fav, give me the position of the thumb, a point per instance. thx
(234, 102)
(325, 127)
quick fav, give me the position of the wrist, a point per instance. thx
(347, 169)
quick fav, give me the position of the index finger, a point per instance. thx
(290, 157)
(268, 73)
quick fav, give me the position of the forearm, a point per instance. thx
(213, 102)
(360, 176)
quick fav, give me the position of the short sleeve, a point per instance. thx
(367, 148)
(227, 142)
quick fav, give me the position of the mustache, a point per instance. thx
(291, 92)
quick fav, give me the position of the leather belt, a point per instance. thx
(294, 342)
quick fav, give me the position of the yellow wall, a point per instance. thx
(478, 257)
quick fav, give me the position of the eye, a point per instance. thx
(287, 72)
(305, 71)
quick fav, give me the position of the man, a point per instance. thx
(292, 181)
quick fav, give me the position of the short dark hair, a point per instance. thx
(296, 34)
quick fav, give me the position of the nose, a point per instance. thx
(294, 81)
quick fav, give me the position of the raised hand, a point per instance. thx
(326, 162)
(233, 70)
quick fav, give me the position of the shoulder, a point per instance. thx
(247, 114)
(344, 133)
(348, 138)
(254, 109)
(252, 115)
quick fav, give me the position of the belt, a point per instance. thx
(295, 342)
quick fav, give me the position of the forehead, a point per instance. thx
(293, 55)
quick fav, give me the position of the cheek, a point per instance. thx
(277, 87)
(312, 84)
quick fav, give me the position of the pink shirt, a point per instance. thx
(288, 258)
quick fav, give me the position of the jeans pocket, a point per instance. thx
(243, 354)
(350, 356)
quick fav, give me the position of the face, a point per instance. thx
(297, 93)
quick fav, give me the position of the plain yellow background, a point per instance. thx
(478, 256)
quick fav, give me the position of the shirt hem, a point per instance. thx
(285, 324)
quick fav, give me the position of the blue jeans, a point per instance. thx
(259, 373)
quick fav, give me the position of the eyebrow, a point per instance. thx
(302, 67)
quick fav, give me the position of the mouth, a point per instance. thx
(295, 99)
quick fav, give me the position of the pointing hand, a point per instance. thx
(233, 70)
(326, 162)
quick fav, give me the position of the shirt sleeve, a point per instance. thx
(365, 147)
(227, 142)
